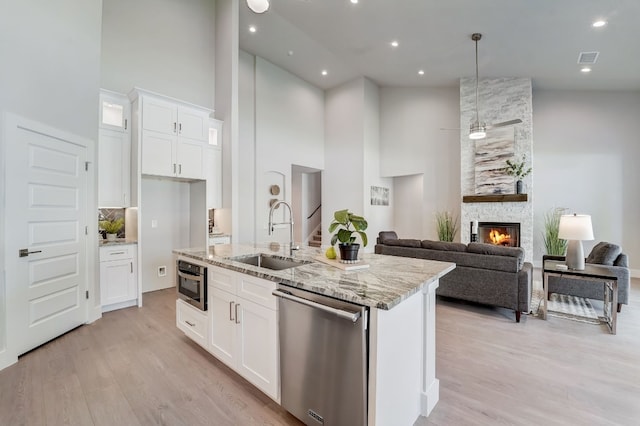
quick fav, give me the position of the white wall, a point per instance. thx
(50, 73)
(289, 129)
(246, 147)
(586, 154)
(171, 210)
(165, 46)
(412, 143)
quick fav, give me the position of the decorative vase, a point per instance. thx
(111, 237)
(349, 251)
(518, 186)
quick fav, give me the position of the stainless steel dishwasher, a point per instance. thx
(323, 358)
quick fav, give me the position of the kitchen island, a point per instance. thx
(400, 294)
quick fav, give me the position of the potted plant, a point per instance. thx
(112, 227)
(517, 170)
(553, 245)
(447, 226)
(347, 225)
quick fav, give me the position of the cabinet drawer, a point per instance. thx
(192, 322)
(222, 279)
(116, 252)
(257, 290)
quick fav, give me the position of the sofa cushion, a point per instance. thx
(491, 249)
(384, 236)
(604, 253)
(622, 260)
(443, 245)
(403, 242)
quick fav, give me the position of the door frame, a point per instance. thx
(8, 123)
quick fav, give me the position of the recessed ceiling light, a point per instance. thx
(354, 1)
(599, 23)
(585, 70)
(395, 43)
(252, 29)
(421, 72)
(324, 72)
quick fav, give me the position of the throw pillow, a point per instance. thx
(604, 253)
(385, 236)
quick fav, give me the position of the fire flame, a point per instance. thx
(499, 238)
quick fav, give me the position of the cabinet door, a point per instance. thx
(115, 111)
(213, 175)
(114, 168)
(159, 116)
(158, 154)
(192, 322)
(257, 357)
(222, 329)
(193, 124)
(190, 159)
(117, 281)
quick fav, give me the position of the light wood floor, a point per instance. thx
(133, 367)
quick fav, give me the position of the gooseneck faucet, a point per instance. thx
(290, 223)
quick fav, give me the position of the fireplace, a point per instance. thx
(499, 233)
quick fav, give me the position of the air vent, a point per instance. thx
(588, 58)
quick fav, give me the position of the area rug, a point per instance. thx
(565, 306)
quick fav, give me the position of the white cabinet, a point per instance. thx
(118, 277)
(244, 328)
(173, 137)
(192, 321)
(114, 151)
(213, 165)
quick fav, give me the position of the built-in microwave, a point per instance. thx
(192, 283)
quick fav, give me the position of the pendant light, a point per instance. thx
(477, 131)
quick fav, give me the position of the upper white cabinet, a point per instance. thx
(114, 150)
(213, 165)
(173, 136)
(115, 111)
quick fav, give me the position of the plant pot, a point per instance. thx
(349, 251)
(112, 237)
(518, 187)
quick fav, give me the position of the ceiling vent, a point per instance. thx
(588, 58)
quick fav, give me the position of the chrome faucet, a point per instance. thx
(275, 205)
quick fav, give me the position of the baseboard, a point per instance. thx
(7, 359)
(635, 273)
(430, 398)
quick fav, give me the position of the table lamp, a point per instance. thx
(575, 228)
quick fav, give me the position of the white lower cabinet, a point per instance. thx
(244, 327)
(192, 321)
(118, 277)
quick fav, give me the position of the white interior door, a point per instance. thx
(46, 192)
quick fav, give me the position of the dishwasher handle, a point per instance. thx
(352, 316)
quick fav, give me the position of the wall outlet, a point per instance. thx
(154, 223)
(162, 271)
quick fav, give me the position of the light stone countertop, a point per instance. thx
(116, 242)
(388, 281)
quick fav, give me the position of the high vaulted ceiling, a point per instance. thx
(540, 39)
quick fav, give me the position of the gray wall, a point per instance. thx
(165, 46)
(586, 151)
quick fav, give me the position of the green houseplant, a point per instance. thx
(517, 169)
(447, 226)
(553, 245)
(111, 227)
(348, 225)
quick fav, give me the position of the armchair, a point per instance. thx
(603, 254)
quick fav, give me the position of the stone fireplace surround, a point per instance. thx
(500, 99)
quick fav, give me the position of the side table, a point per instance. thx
(591, 273)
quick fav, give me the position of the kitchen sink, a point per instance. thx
(275, 263)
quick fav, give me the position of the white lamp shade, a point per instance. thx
(575, 227)
(258, 6)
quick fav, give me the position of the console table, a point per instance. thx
(591, 273)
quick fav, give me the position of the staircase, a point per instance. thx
(316, 239)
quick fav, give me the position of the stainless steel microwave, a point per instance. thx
(192, 283)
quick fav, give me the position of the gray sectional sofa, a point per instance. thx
(484, 273)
